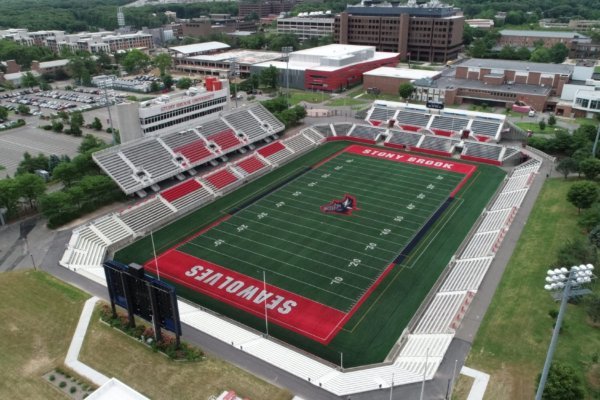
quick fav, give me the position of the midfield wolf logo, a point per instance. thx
(345, 206)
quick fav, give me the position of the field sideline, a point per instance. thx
(372, 330)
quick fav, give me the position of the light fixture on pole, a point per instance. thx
(563, 284)
(287, 50)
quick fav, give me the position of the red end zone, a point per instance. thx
(286, 309)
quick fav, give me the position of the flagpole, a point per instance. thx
(155, 258)
(392, 387)
(265, 290)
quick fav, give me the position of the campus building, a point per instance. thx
(306, 27)
(427, 32)
(331, 68)
(171, 113)
(580, 46)
(388, 79)
(238, 62)
(264, 8)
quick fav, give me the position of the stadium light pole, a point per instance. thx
(265, 290)
(287, 50)
(106, 100)
(565, 284)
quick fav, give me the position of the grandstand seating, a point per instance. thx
(225, 140)
(517, 182)
(449, 124)
(382, 114)
(404, 138)
(112, 229)
(510, 152)
(325, 130)
(180, 190)
(342, 129)
(250, 165)
(194, 198)
(88, 249)
(475, 149)
(466, 274)
(298, 143)
(275, 152)
(440, 313)
(220, 179)
(486, 128)
(151, 156)
(437, 144)
(313, 134)
(416, 119)
(215, 126)
(495, 220)
(528, 167)
(262, 114)
(146, 214)
(509, 199)
(366, 132)
(188, 144)
(112, 163)
(246, 123)
(480, 245)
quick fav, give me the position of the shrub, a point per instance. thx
(51, 378)
(46, 127)
(62, 385)
(73, 389)
(553, 314)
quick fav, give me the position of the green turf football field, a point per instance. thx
(330, 258)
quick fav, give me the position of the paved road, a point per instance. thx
(48, 247)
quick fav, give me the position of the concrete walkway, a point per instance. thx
(71, 360)
(479, 386)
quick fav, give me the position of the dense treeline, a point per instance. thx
(560, 9)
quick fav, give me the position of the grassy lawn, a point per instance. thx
(2, 167)
(345, 101)
(535, 128)
(40, 314)
(309, 97)
(160, 378)
(462, 387)
(514, 336)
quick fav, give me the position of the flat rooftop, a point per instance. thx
(200, 47)
(403, 73)
(546, 68)
(446, 82)
(333, 50)
(241, 56)
(545, 34)
(302, 66)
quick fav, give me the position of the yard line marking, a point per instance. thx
(295, 254)
(271, 271)
(329, 278)
(354, 232)
(308, 237)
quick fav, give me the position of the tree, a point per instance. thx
(67, 173)
(135, 60)
(90, 142)
(582, 195)
(575, 252)
(29, 164)
(154, 86)
(96, 124)
(541, 54)
(3, 113)
(44, 85)
(23, 109)
(29, 80)
(542, 124)
(30, 187)
(167, 81)
(566, 166)
(9, 196)
(184, 83)
(590, 168)
(594, 236)
(551, 120)
(269, 77)
(523, 54)
(162, 62)
(508, 53)
(57, 125)
(558, 53)
(478, 48)
(590, 218)
(406, 90)
(563, 383)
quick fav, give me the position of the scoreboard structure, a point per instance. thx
(150, 299)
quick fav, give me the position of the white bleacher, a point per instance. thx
(434, 345)
(486, 128)
(494, 220)
(141, 217)
(413, 118)
(193, 199)
(528, 167)
(113, 164)
(342, 129)
(178, 139)
(438, 143)
(404, 138)
(299, 143)
(480, 245)
(213, 127)
(381, 114)
(112, 228)
(475, 149)
(466, 274)
(263, 115)
(517, 182)
(448, 123)
(324, 130)
(313, 135)
(89, 249)
(510, 152)
(440, 313)
(280, 156)
(151, 156)
(366, 132)
(509, 199)
(246, 123)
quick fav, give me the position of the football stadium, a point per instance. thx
(344, 245)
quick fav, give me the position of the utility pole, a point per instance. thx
(107, 102)
(287, 50)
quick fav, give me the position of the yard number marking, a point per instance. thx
(411, 206)
(312, 184)
(325, 176)
(262, 215)
(399, 218)
(337, 280)
(439, 178)
(280, 204)
(354, 263)
(420, 196)
(242, 228)
(371, 246)
(385, 231)
(430, 187)
(296, 194)
(339, 167)
(219, 242)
